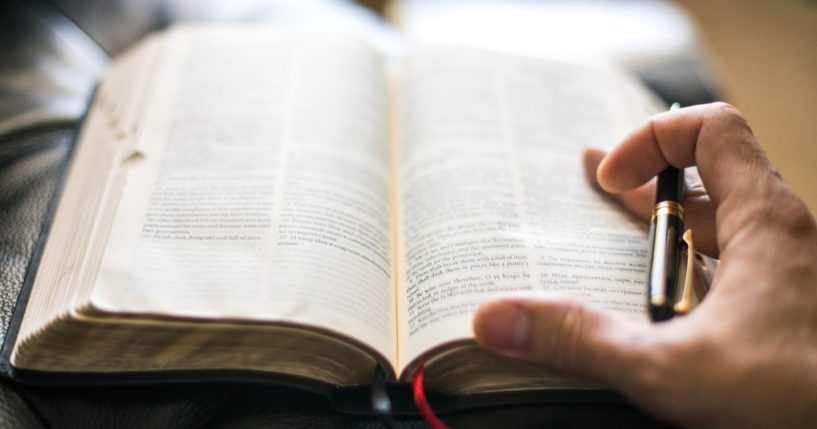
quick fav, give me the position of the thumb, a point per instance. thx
(564, 335)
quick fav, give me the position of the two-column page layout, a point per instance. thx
(249, 199)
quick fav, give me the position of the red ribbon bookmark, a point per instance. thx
(422, 403)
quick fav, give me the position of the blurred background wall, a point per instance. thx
(767, 52)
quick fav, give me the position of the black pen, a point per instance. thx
(666, 243)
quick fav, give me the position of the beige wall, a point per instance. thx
(768, 57)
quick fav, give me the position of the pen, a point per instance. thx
(666, 242)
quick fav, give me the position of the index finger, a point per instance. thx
(715, 137)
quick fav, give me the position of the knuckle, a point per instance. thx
(801, 222)
(569, 337)
(728, 114)
(781, 210)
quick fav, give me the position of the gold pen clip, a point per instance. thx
(684, 305)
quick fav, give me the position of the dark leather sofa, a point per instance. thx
(51, 54)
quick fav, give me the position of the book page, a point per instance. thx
(258, 187)
(83, 197)
(493, 199)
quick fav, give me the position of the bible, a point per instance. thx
(295, 206)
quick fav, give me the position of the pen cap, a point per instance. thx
(670, 185)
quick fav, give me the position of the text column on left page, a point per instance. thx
(264, 191)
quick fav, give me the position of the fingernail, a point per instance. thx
(504, 327)
(592, 158)
(595, 149)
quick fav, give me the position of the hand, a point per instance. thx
(747, 356)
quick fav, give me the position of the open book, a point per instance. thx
(288, 203)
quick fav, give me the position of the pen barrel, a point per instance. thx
(670, 185)
(666, 234)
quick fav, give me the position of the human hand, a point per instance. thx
(747, 356)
